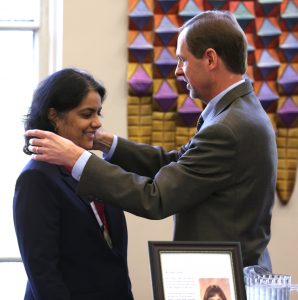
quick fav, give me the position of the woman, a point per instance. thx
(214, 292)
(61, 238)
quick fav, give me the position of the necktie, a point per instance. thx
(200, 122)
(98, 209)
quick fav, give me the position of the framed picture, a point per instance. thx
(196, 270)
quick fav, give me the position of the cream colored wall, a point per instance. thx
(95, 38)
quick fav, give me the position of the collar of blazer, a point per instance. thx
(239, 91)
(71, 182)
(67, 178)
(113, 227)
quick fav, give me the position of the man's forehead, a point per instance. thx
(182, 34)
(180, 41)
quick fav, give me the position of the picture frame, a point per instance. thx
(190, 270)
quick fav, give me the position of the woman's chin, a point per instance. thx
(86, 145)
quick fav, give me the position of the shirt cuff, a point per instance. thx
(80, 164)
(108, 155)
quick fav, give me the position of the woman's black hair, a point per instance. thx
(63, 90)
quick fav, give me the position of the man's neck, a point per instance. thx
(222, 82)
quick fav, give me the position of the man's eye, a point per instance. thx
(181, 60)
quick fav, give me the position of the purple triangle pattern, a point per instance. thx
(140, 48)
(268, 7)
(140, 54)
(166, 5)
(166, 26)
(244, 23)
(288, 112)
(291, 11)
(166, 30)
(189, 112)
(181, 85)
(140, 43)
(141, 15)
(267, 96)
(165, 69)
(166, 37)
(166, 63)
(166, 57)
(266, 93)
(250, 47)
(190, 10)
(165, 96)
(290, 54)
(291, 42)
(289, 80)
(289, 47)
(217, 4)
(268, 29)
(267, 61)
(140, 82)
(141, 9)
(140, 21)
(242, 13)
(291, 23)
(290, 15)
(268, 32)
(267, 64)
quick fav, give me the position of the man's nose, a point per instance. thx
(179, 70)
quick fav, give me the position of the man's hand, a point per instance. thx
(52, 148)
(102, 141)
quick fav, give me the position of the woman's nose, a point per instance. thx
(96, 122)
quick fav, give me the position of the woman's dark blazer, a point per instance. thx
(61, 245)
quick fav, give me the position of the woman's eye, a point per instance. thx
(86, 115)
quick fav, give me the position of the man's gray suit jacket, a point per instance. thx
(220, 185)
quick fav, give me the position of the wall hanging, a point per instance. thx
(160, 111)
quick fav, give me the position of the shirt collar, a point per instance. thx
(206, 112)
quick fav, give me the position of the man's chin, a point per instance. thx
(193, 94)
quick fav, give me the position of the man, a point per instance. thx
(221, 184)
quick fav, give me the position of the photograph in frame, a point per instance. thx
(196, 270)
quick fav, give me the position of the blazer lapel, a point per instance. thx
(239, 91)
(72, 183)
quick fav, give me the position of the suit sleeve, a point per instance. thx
(36, 218)
(205, 167)
(140, 158)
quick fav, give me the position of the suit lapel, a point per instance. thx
(239, 91)
(72, 183)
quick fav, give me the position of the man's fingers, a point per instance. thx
(35, 142)
(35, 149)
(37, 133)
(38, 157)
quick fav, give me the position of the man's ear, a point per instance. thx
(212, 57)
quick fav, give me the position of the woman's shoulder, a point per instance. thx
(39, 167)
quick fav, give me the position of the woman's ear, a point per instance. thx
(53, 117)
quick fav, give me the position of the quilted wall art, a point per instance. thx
(160, 111)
